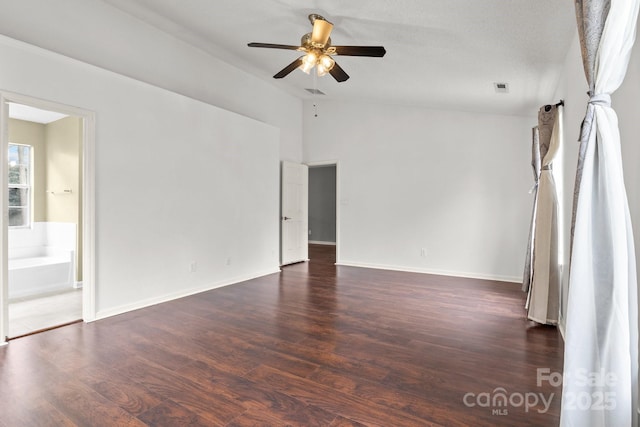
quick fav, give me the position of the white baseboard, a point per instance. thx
(561, 328)
(499, 278)
(319, 242)
(102, 314)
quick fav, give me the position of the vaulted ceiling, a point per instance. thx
(440, 53)
(444, 54)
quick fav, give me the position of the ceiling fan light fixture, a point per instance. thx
(326, 62)
(310, 58)
(321, 70)
(306, 67)
(308, 62)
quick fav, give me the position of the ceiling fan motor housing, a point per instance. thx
(307, 42)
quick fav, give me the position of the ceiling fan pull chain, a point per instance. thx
(315, 94)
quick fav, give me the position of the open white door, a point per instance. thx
(294, 210)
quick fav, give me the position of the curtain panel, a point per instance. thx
(602, 312)
(543, 302)
(535, 164)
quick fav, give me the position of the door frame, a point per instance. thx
(88, 203)
(335, 163)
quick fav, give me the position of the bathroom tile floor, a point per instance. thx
(32, 314)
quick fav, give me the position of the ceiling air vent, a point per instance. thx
(501, 87)
(315, 91)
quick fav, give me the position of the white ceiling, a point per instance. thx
(33, 114)
(440, 53)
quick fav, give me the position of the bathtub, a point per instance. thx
(41, 259)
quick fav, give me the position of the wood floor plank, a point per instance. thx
(334, 401)
(256, 397)
(438, 410)
(315, 345)
(169, 413)
(181, 349)
(18, 411)
(119, 389)
(256, 419)
(86, 407)
(344, 422)
(198, 398)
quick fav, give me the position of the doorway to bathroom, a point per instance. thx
(44, 230)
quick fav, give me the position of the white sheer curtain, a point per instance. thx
(601, 349)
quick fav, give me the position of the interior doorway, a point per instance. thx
(48, 226)
(323, 204)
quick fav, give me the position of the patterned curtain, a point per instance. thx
(543, 302)
(602, 312)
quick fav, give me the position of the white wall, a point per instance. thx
(177, 180)
(99, 34)
(453, 183)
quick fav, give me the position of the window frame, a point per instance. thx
(29, 187)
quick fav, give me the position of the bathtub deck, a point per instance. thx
(20, 263)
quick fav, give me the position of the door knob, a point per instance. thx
(285, 218)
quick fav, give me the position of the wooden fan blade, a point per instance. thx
(321, 32)
(375, 51)
(289, 68)
(338, 73)
(273, 46)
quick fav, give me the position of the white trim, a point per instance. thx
(77, 285)
(561, 328)
(4, 220)
(318, 242)
(322, 163)
(335, 163)
(499, 278)
(88, 207)
(181, 294)
(89, 279)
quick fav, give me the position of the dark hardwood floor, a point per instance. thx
(316, 345)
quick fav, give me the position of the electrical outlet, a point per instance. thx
(228, 261)
(193, 267)
(423, 252)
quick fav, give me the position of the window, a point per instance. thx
(19, 185)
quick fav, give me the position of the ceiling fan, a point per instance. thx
(318, 51)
